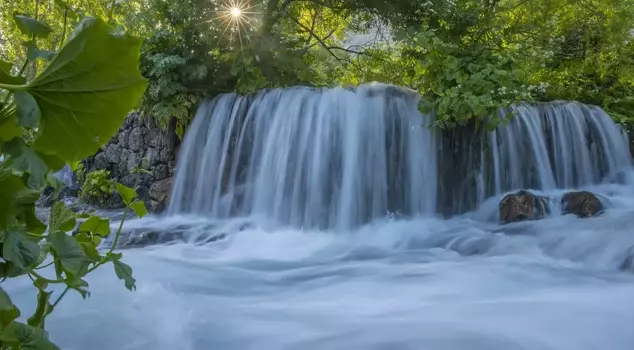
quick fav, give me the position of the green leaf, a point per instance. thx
(128, 194)
(9, 128)
(31, 26)
(90, 250)
(68, 252)
(10, 270)
(139, 208)
(19, 248)
(25, 159)
(33, 52)
(43, 308)
(96, 225)
(6, 77)
(27, 196)
(124, 272)
(40, 284)
(61, 218)
(32, 222)
(80, 286)
(8, 311)
(27, 109)
(87, 91)
(26, 337)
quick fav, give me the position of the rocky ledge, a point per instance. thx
(139, 143)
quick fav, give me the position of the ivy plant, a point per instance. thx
(63, 114)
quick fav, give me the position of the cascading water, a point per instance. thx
(559, 145)
(337, 158)
(542, 147)
(308, 157)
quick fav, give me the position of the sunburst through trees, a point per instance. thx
(237, 19)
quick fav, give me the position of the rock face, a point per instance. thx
(140, 143)
(583, 204)
(521, 206)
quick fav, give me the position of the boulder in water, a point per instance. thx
(584, 204)
(521, 206)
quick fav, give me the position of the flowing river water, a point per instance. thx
(307, 263)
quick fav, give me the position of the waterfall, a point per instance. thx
(550, 146)
(328, 158)
(337, 158)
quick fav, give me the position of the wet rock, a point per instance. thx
(160, 172)
(139, 238)
(521, 206)
(155, 207)
(584, 204)
(160, 190)
(204, 239)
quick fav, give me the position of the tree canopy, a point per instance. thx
(466, 57)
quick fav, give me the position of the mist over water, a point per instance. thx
(285, 277)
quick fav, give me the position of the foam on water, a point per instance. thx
(463, 283)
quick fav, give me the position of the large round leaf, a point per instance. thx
(87, 91)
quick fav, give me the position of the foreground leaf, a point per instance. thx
(10, 187)
(33, 52)
(27, 109)
(8, 311)
(44, 308)
(31, 26)
(26, 160)
(96, 225)
(6, 77)
(124, 272)
(87, 91)
(27, 337)
(68, 251)
(139, 208)
(62, 218)
(19, 249)
(128, 194)
(9, 128)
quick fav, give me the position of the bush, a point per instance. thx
(96, 187)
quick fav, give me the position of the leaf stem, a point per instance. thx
(60, 297)
(47, 280)
(61, 42)
(45, 266)
(116, 237)
(12, 87)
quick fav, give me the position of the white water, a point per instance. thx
(466, 283)
(307, 157)
(407, 284)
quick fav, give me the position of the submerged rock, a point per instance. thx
(138, 239)
(521, 206)
(584, 204)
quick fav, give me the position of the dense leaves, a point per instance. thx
(65, 110)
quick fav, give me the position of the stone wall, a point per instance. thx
(140, 143)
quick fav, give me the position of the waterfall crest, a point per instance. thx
(309, 157)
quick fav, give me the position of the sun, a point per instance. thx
(236, 12)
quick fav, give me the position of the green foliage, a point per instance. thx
(57, 116)
(97, 187)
